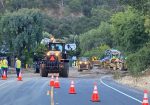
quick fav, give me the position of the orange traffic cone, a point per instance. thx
(72, 88)
(20, 77)
(145, 99)
(95, 96)
(51, 83)
(4, 77)
(56, 83)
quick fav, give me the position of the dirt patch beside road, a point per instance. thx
(93, 73)
(139, 83)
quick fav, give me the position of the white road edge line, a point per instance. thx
(120, 91)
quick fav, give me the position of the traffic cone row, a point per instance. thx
(145, 99)
(94, 98)
(4, 77)
(55, 83)
(95, 95)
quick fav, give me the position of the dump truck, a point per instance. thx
(84, 63)
(55, 60)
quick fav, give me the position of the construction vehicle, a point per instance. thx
(95, 61)
(84, 63)
(105, 62)
(55, 60)
(116, 60)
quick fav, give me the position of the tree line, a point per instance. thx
(22, 23)
(126, 30)
(94, 25)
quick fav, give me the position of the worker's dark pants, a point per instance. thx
(17, 71)
(1, 73)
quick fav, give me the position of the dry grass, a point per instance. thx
(140, 82)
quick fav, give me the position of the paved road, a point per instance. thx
(32, 91)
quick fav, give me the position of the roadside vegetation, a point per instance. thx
(94, 25)
(126, 30)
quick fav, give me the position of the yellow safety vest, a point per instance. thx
(0, 63)
(18, 64)
(5, 63)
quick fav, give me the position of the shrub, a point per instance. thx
(139, 61)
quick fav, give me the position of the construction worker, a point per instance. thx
(37, 67)
(5, 65)
(1, 67)
(17, 66)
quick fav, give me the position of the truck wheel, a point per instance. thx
(109, 68)
(89, 68)
(65, 71)
(122, 67)
(79, 70)
(43, 72)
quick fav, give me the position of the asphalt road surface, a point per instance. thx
(33, 90)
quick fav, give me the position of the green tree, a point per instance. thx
(98, 52)
(101, 13)
(141, 5)
(49, 3)
(75, 5)
(139, 61)
(46, 35)
(14, 5)
(147, 24)
(128, 30)
(39, 52)
(22, 29)
(95, 37)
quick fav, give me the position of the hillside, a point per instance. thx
(94, 25)
(67, 16)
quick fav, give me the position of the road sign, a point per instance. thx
(70, 46)
(74, 58)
